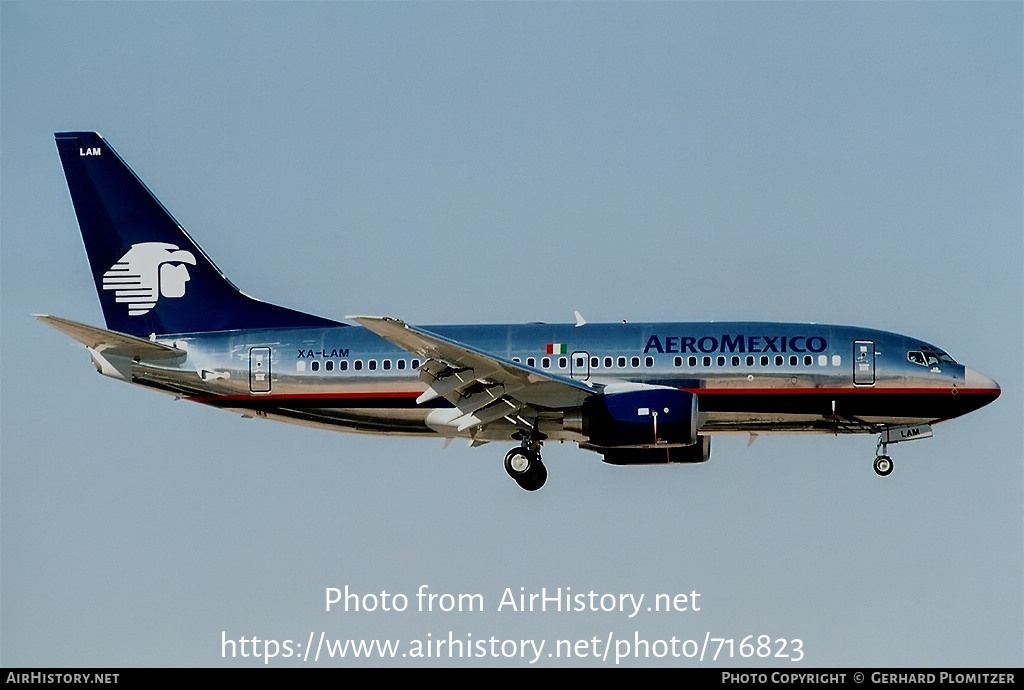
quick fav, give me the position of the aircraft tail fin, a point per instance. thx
(151, 277)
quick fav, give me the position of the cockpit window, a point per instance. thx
(929, 356)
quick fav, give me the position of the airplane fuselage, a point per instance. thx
(748, 376)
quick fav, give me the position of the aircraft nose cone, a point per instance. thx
(983, 385)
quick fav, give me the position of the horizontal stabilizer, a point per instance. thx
(111, 342)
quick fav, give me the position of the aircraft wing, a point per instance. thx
(482, 385)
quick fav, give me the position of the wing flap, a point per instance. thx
(498, 410)
(445, 381)
(480, 397)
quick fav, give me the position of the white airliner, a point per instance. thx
(636, 393)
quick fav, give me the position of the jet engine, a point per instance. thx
(698, 452)
(645, 417)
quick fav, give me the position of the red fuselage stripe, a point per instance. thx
(405, 395)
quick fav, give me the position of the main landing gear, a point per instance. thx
(524, 465)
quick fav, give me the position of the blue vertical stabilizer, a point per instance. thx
(151, 276)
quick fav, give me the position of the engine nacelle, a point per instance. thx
(698, 452)
(639, 418)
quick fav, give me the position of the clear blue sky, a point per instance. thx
(501, 162)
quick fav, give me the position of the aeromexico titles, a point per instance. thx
(635, 393)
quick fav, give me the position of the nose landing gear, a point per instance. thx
(896, 434)
(883, 465)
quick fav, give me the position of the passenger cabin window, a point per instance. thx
(531, 362)
(622, 362)
(314, 366)
(546, 362)
(564, 362)
(401, 364)
(343, 365)
(691, 361)
(329, 365)
(357, 365)
(608, 362)
(677, 361)
(634, 362)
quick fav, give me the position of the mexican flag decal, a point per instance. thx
(556, 349)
